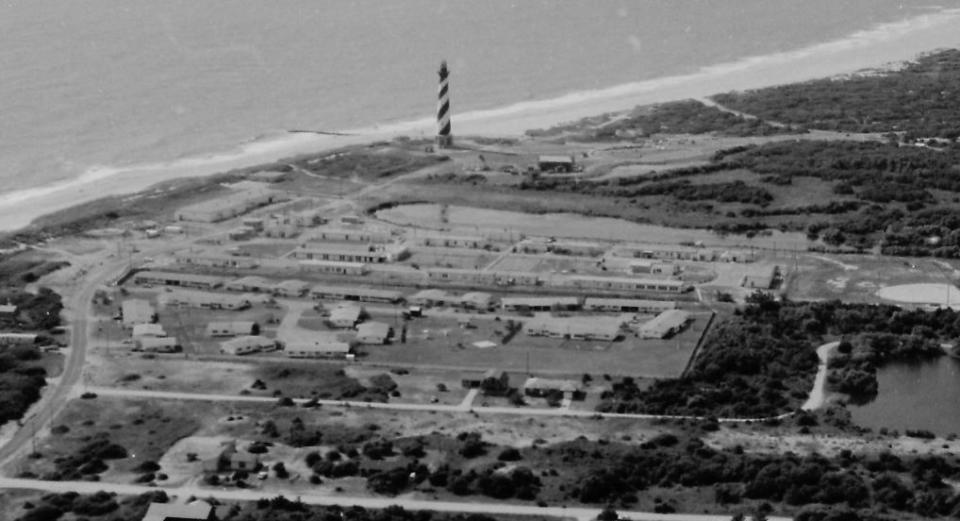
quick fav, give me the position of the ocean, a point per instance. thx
(89, 88)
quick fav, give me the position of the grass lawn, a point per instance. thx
(856, 278)
(631, 356)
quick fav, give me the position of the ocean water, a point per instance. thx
(91, 86)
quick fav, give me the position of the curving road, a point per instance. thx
(580, 513)
(77, 307)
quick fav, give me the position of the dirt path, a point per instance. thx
(711, 103)
(819, 392)
(464, 407)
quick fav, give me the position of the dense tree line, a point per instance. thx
(865, 166)
(282, 509)
(20, 381)
(920, 100)
(931, 232)
(761, 362)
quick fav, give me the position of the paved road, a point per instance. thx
(580, 513)
(78, 307)
(395, 406)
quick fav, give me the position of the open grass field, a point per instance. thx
(449, 346)
(562, 215)
(168, 373)
(857, 278)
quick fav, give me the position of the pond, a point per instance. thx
(923, 395)
(478, 220)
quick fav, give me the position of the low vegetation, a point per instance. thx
(101, 506)
(366, 164)
(319, 381)
(680, 117)
(19, 269)
(38, 311)
(97, 435)
(282, 509)
(920, 100)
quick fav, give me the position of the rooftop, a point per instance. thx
(669, 319)
(374, 329)
(354, 291)
(539, 301)
(182, 277)
(548, 384)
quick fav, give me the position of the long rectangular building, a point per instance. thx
(620, 284)
(539, 303)
(665, 324)
(203, 299)
(356, 294)
(358, 253)
(184, 280)
(251, 283)
(211, 260)
(335, 234)
(574, 328)
(627, 305)
(471, 277)
(356, 269)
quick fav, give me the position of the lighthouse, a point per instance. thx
(444, 137)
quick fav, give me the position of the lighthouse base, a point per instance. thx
(444, 141)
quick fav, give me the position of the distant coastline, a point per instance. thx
(882, 46)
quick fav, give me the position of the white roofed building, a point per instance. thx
(142, 330)
(373, 333)
(345, 316)
(234, 328)
(246, 344)
(153, 344)
(665, 324)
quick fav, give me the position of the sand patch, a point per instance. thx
(927, 293)
(838, 283)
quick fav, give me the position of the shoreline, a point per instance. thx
(882, 46)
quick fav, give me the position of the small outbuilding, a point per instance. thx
(373, 333)
(556, 164)
(236, 328)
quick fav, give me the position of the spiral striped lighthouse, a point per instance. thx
(444, 137)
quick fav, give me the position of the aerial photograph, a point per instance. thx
(509, 260)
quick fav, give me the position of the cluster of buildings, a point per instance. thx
(471, 300)
(140, 318)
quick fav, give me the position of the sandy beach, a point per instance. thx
(883, 46)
